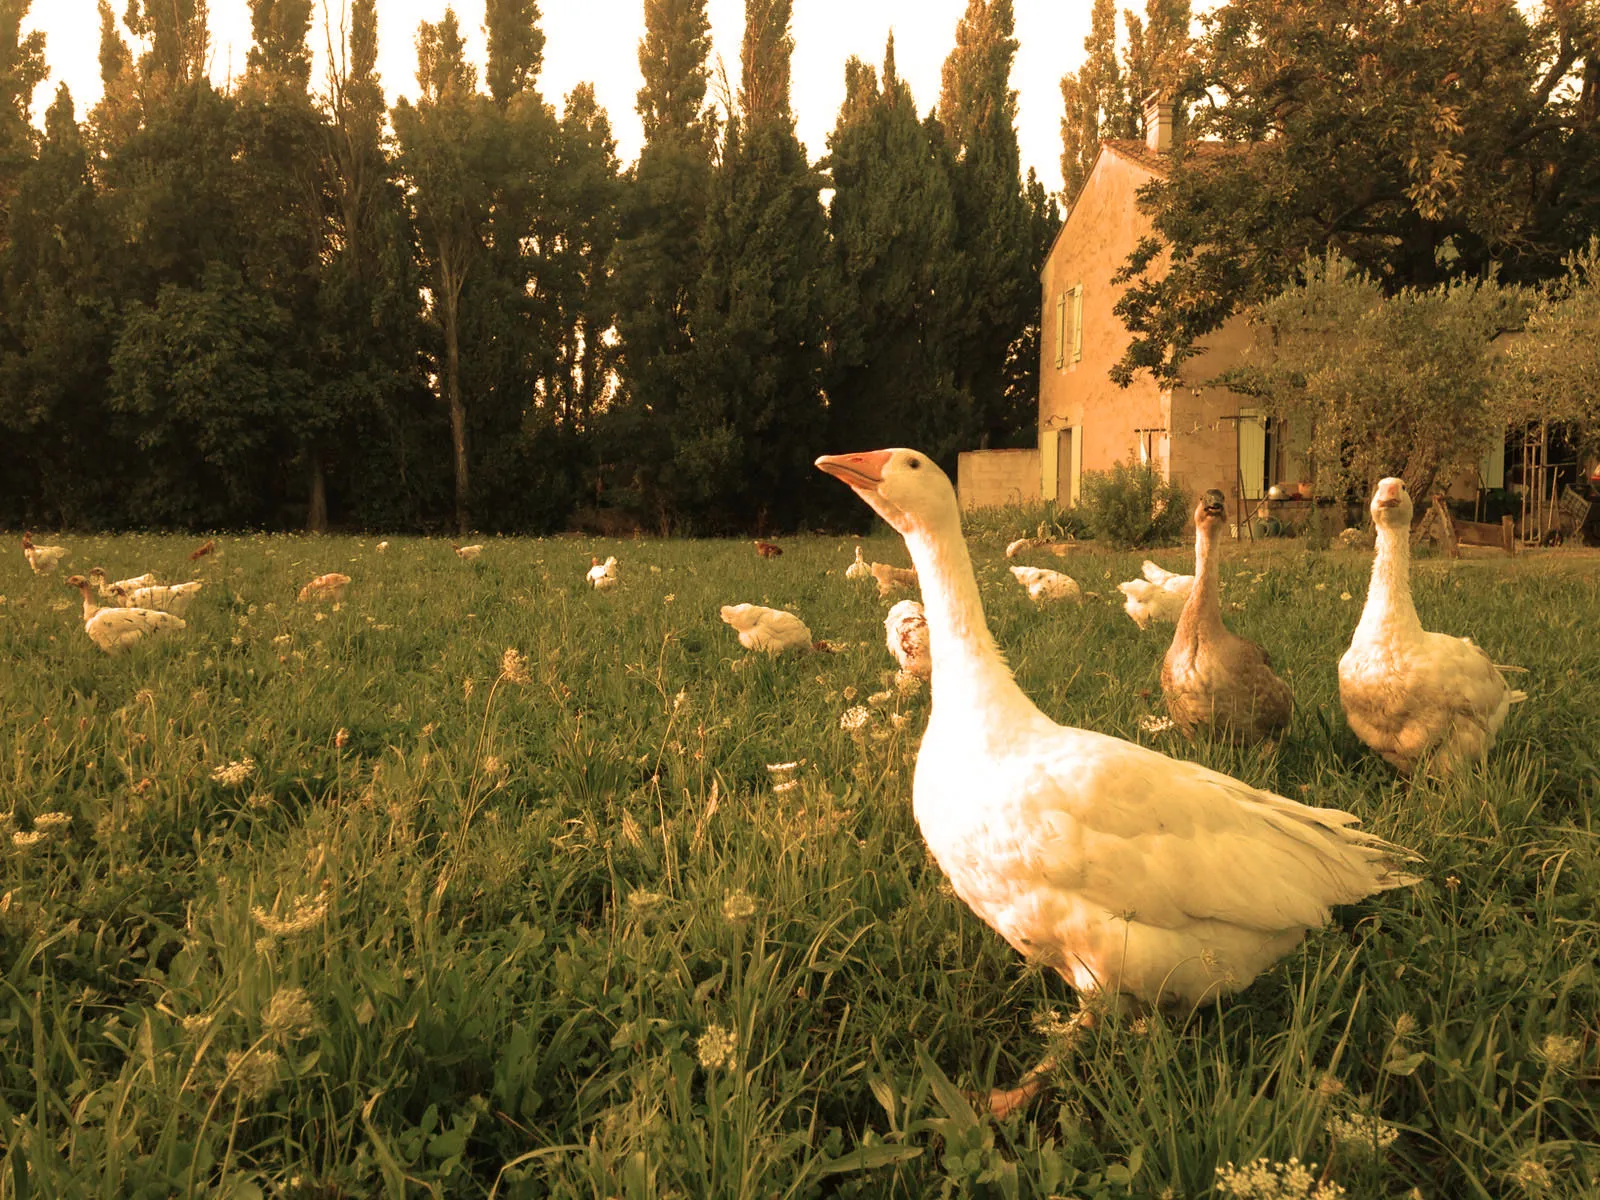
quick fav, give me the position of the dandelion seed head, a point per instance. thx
(1560, 1051)
(738, 906)
(254, 1073)
(289, 1014)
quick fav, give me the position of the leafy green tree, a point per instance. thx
(1421, 141)
(659, 259)
(382, 453)
(1554, 368)
(892, 278)
(516, 48)
(1389, 383)
(977, 109)
(450, 149)
(60, 450)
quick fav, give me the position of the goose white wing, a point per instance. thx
(1133, 871)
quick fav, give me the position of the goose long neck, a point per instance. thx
(1202, 612)
(969, 676)
(1389, 603)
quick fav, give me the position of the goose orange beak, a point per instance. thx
(1388, 494)
(861, 471)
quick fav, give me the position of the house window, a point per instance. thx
(1077, 322)
(1061, 330)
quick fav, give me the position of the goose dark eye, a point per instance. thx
(915, 463)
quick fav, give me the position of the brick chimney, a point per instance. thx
(1157, 123)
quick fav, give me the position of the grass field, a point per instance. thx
(349, 905)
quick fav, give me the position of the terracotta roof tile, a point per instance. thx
(1138, 152)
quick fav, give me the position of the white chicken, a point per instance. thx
(43, 559)
(381, 547)
(325, 587)
(768, 629)
(1159, 596)
(858, 569)
(906, 630)
(602, 576)
(1408, 693)
(110, 591)
(1149, 879)
(173, 598)
(467, 553)
(1045, 586)
(114, 629)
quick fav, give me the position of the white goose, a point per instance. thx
(1153, 880)
(858, 569)
(602, 576)
(1406, 692)
(114, 629)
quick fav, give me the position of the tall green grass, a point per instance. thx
(471, 927)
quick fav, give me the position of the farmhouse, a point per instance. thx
(1202, 437)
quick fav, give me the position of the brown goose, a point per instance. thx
(1214, 680)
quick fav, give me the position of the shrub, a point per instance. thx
(1003, 523)
(1133, 507)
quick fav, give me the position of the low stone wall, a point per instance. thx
(990, 478)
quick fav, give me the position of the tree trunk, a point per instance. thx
(452, 391)
(317, 510)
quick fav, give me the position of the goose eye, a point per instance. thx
(914, 464)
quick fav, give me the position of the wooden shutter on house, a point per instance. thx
(1061, 330)
(1077, 322)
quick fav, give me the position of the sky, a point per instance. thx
(598, 41)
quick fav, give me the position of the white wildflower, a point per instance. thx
(1264, 1180)
(879, 699)
(788, 785)
(232, 774)
(25, 838)
(855, 718)
(1153, 724)
(1344, 595)
(642, 902)
(305, 915)
(513, 667)
(50, 822)
(906, 683)
(716, 1047)
(1361, 1133)
(1559, 1051)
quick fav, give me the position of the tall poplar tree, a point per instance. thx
(1095, 99)
(894, 296)
(753, 418)
(978, 109)
(658, 256)
(448, 143)
(22, 68)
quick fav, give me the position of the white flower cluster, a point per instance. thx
(716, 1048)
(232, 774)
(1265, 1180)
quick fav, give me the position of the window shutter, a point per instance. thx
(1061, 330)
(1077, 323)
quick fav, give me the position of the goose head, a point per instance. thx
(904, 487)
(1211, 512)
(1391, 505)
